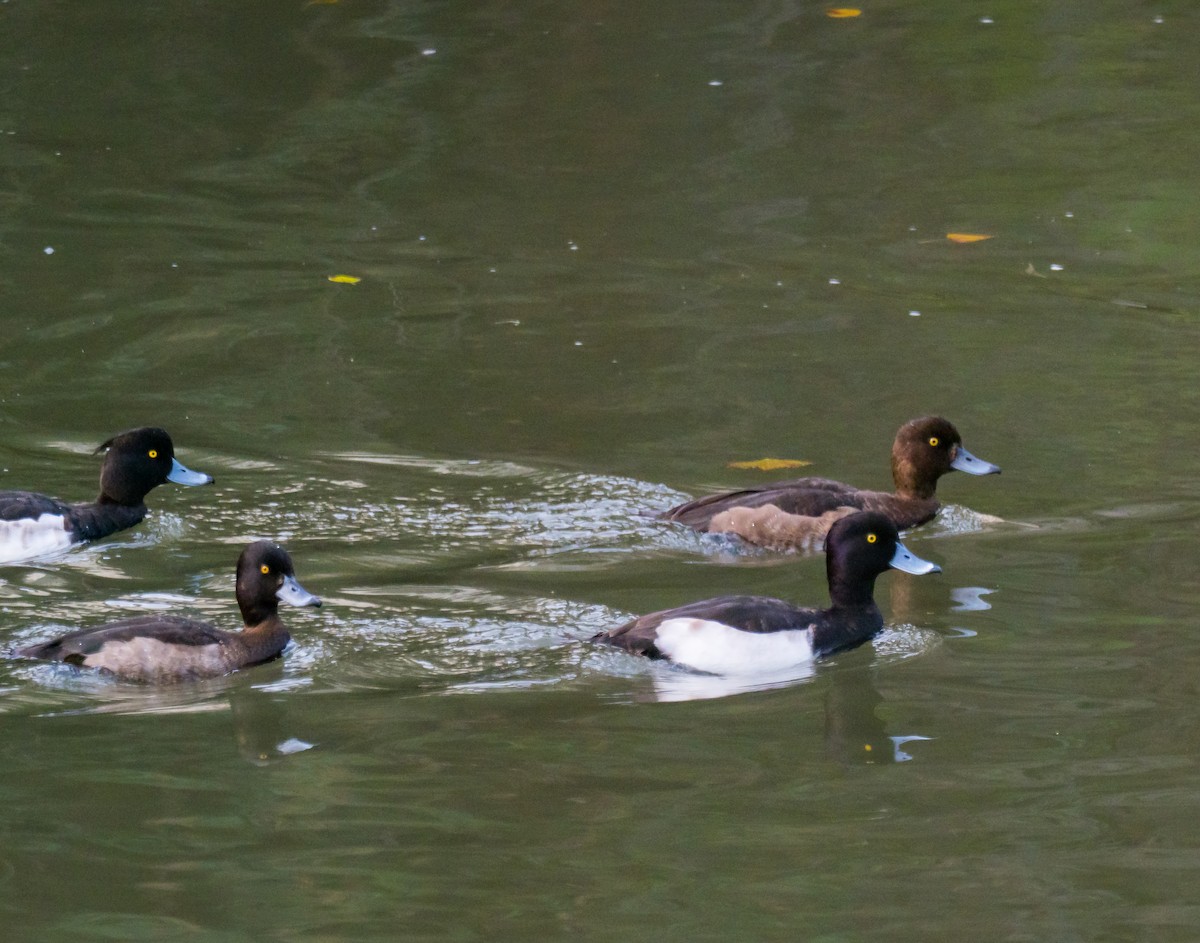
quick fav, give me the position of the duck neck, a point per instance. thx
(841, 629)
(259, 612)
(104, 499)
(853, 618)
(99, 519)
(909, 482)
(849, 590)
(264, 640)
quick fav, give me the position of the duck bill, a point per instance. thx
(185, 476)
(294, 594)
(904, 559)
(964, 461)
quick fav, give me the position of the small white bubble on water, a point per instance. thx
(49, 250)
(429, 52)
(986, 20)
(914, 314)
(1056, 267)
(835, 281)
(715, 83)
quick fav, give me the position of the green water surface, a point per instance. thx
(604, 250)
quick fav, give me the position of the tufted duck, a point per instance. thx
(755, 634)
(137, 461)
(797, 514)
(162, 648)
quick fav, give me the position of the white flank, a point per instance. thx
(720, 649)
(148, 659)
(33, 537)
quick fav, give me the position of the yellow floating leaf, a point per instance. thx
(967, 236)
(841, 13)
(771, 464)
(345, 279)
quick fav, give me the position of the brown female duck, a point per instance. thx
(797, 514)
(164, 648)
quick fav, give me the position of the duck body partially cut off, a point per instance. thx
(135, 463)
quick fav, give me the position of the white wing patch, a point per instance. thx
(148, 659)
(721, 649)
(33, 537)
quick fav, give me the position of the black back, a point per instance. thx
(16, 505)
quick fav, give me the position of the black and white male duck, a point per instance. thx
(136, 462)
(797, 514)
(757, 634)
(163, 648)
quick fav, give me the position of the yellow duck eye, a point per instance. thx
(871, 538)
(264, 569)
(933, 440)
(153, 453)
